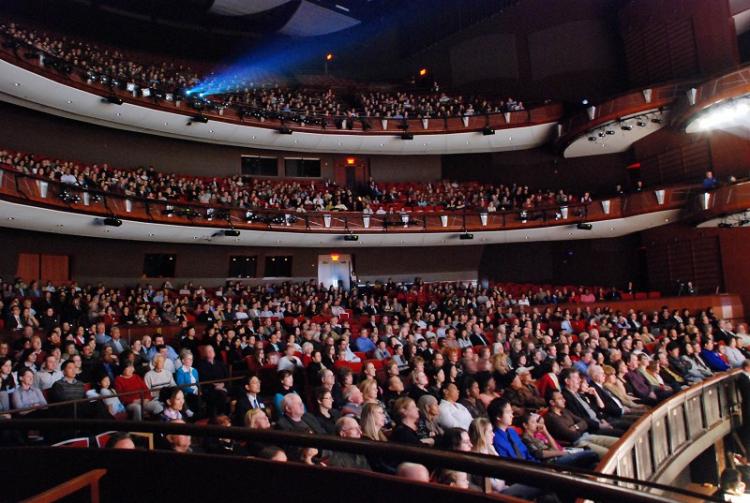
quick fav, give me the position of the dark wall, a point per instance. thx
(710, 257)
(593, 262)
(534, 50)
(121, 262)
(61, 138)
(671, 39)
(541, 169)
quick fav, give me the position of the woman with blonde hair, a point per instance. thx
(372, 422)
(481, 435)
(369, 389)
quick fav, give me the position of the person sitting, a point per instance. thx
(286, 386)
(114, 406)
(407, 417)
(348, 427)
(184, 375)
(713, 358)
(214, 394)
(290, 361)
(326, 415)
(134, 394)
(48, 375)
(27, 395)
(354, 402)
(577, 395)
(543, 446)
(453, 414)
(158, 378)
(428, 428)
(248, 400)
(174, 402)
(294, 418)
(568, 427)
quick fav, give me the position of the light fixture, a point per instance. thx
(488, 131)
(112, 222)
(584, 226)
(407, 136)
(113, 100)
(466, 236)
(285, 130)
(232, 233)
(351, 237)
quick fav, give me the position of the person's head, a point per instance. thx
(571, 379)
(50, 363)
(406, 410)
(352, 394)
(373, 420)
(596, 373)
(120, 440)
(348, 427)
(186, 357)
(26, 376)
(69, 370)
(530, 422)
(450, 392)
(286, 379)
(103, 382)
(175, 399)
(369, 389)
(6, 365)
(158, 362)
(256, 419)
(292, 406)
(500, 413)
(457, 439)
(428, 406)
(179, 442)
(413, 471)
(454, 478)
(555, 399)
(480, 434)
(395, 384)
(273, 453)
(746, 366)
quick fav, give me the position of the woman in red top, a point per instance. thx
(129, 382)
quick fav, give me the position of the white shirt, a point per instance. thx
(454, 415)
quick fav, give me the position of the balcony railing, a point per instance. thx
(661, 443)
(37, 191)
(175, 101)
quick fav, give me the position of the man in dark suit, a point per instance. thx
(477, 338)
(571, 383)
(248, 400)
(613, 407)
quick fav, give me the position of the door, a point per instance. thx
(335, 270)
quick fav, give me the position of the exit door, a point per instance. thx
(335, 270)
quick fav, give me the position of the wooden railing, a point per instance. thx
(661, 443)
(725, 200)
(89, 479)
(36, 191)
(32, 59)
(565, 481)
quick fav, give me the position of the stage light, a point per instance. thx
(488, 131)
(407, 136)
(465, 236)
(610, 132)
(592, 138)
(329, 56)
(231, 233)
(285, 130)
(729, 114)
(350, 161)
(112, 222)
(601, 134)
(626, 127)
(584, 227)
(423, 72)
(200, 118)
(335, 257)
(641, 123)
(351, 237)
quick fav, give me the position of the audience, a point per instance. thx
(526, 350)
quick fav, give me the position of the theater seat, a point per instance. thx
(80, 442)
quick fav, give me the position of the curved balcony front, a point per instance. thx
(33, 203)
(25, 80)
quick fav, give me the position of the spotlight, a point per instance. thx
(329, 56)
(488, 131)
(584, 227)
(592, 138)
(231, 233)
(465, 236)
(601, 134)
(200, 118)
(407, 136)
(656, 120)
(626, 127)
(285, 130)
(422, 72)
(641, 123)
(113, 100)
(112, 221)
(351, 237)
(610, 132)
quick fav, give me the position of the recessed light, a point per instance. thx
(166, 123)
(119, 114)
(210, 130)
(151, 234)
(11, 218)
(70, 101)
(17, 84)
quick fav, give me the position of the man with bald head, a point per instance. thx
(413, 471)
(348, 427)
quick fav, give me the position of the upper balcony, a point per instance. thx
(28, 78)
(33, 203)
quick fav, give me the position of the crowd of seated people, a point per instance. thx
(116, 68)
(296, 195)
(463, 370)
